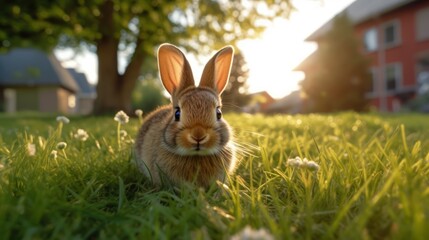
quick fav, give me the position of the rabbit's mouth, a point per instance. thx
(197, 150)
(201, 151)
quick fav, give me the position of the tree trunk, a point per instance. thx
(107, 87)
(114, 90)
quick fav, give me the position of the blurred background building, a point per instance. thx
(395, 37)
(32, 80)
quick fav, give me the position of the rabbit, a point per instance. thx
(188, 140)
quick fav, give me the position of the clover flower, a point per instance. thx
(297, 162)
(250, 234)
(121, 117)
(81, 135)
(61, 145)
(63, 119)
(139, 113)
(54, 154)
(123, 133)
(312, 166)
(31, 149)
(294, 162)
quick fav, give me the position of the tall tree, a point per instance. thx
(133, 28)
(236, 95)
(340, 77)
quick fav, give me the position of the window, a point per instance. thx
(422, 28)
(71, 101)
(10, 100)
(391, 34)
(392, 76)
(370, 40)
(422, 67)
(372, 85)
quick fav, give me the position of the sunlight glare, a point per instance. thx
(272, 58)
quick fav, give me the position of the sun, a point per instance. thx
(271, 59)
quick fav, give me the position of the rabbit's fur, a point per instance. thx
(188, 141)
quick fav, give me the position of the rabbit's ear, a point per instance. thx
(174, 69)
(217, 70)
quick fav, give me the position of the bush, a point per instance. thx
(148, 95)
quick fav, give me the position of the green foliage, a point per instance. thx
(235, 95)
(372, 182)
(148, 23)
(132, 29)
(148, 95)
(339, 77)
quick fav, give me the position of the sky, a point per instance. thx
(271, 59)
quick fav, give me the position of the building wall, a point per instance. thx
(84, 105)
(43, 99)
(406, 53)
(26, 99)
(64, 106)
(48, 99)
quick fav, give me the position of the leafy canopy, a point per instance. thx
(196, 25)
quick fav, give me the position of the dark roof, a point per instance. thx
(289, 101)
(360, 11)
(31, 67)
(82, 81)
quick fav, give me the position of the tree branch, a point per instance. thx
(133, 69)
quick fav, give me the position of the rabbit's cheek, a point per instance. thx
(212, 140)
(183, 139)
(170, 137)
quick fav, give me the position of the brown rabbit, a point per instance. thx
(188, 140)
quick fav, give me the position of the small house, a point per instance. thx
(32, 80)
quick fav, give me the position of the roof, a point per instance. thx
(82, 81)
(291, 102)
(307, 63)
(360, 11)
(31, 67)
(264, 94)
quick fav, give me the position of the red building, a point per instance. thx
(395, 36)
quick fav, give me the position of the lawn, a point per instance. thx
(369, 180)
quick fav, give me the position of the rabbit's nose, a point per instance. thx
(199, 139)
(199, 135)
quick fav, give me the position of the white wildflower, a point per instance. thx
(63, 119)
(312, 166)
(61, 145)
(31, 149)
(250, 234)
(54, 154)
(304, 161)
(297, 162)
(81, 135)
(294, 162)
(121, 117)
(139, 113)
(123, 133)
(1, 166)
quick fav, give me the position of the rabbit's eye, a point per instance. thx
(177, 114)
(218, 113)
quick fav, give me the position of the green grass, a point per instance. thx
(373, 182)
